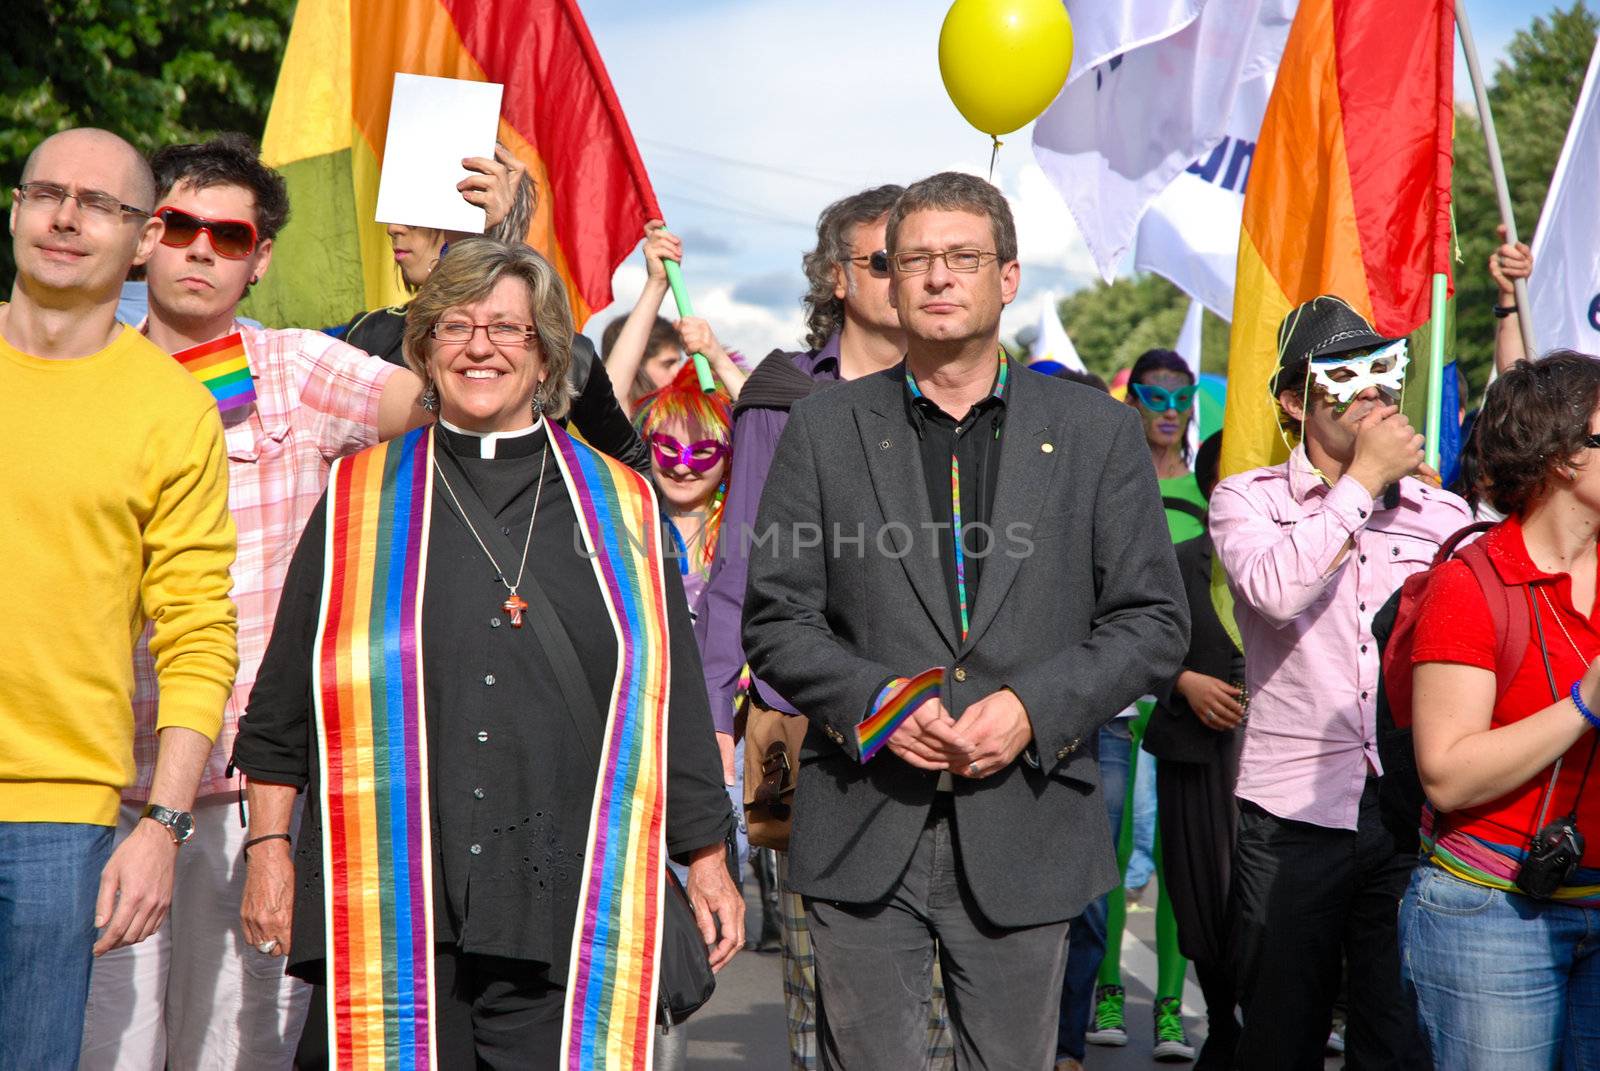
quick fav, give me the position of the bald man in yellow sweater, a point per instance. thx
(113, 511)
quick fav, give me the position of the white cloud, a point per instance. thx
(754, 330)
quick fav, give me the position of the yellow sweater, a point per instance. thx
(113, 510)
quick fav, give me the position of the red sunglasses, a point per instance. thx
(701, 456)
(234, 239)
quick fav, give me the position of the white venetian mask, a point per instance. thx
(1344, 378)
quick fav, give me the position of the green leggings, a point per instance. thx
(1170, 964)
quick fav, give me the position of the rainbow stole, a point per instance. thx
(377, 860)
(377, 852)
(611, 984)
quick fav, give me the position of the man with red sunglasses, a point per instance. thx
(195, 995)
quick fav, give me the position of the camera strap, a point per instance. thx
(1556, 696)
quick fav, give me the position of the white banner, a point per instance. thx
(1120, 132)
(1105, 29)
(1565, 287)
(1190, 234)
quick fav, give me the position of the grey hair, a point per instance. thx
(953, 191)
(835, 231)
(468, 273)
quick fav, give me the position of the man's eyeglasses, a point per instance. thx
(917, 261)
(94, 202)
(1592, 442)
(877, 263)
(505, 336)
(234, 239)
(1160, 399)
(699, 456)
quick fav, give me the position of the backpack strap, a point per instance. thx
(1184, 505)
(1508, 609)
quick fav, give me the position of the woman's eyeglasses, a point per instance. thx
(233, 239)
(699, 456)
(505, 336)
(1160, 399)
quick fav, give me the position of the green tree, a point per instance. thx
(1112, 324)
(1533, 94)
(154, 71)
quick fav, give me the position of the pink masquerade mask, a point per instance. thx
(699, 456)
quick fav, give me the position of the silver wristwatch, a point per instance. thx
(179, 823)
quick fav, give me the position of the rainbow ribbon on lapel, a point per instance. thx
(367, 689)
(906, 696)
(224, 367)
(611, 985)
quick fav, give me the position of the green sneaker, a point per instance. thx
(1171, 1040)
(1107, 1027)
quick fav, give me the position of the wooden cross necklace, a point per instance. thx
(514, 604)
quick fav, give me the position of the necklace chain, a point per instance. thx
(538, 489)
(1548, 602)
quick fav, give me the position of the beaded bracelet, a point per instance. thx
(1583, 708)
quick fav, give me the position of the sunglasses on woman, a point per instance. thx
(234, 239)
(700, 456)
(1160, 399)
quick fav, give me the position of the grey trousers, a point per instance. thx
(875, 969)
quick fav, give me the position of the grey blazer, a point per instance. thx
(1080, 610)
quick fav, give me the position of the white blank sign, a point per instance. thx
(434, 123)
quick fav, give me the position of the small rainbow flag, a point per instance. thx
(909, 694)
(224, 368)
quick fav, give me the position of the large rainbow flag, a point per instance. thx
(330, 116)
(1349, 191)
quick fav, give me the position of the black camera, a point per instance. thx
(1551, 859)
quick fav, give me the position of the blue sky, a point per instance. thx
(751, 115)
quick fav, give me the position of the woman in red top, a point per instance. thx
(1504, 979)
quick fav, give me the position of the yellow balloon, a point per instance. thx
(1004, 61)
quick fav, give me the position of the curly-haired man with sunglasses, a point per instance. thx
(116, 514)
(196, 995)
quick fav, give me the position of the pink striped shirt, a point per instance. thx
(316, 400)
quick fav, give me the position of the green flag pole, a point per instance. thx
(680, 294)
(1436, 326)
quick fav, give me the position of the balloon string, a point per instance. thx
(995, 151)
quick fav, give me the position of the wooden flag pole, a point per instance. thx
(1497, 170)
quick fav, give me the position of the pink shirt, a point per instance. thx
(1310, 661)
(316, 400)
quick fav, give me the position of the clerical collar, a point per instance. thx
(493, 444)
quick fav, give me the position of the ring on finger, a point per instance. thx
(266, 947)
(974, 770)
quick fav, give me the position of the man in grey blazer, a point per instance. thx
(957, 511)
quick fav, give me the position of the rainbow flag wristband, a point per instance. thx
(904, 697)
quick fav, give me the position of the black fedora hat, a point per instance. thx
(1324, 327)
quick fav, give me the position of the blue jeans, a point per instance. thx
(1142, 863)
(1086, 940)
(49, 878)
(1502, 981)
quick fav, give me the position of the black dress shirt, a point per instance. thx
(511, 783)
(975, 441)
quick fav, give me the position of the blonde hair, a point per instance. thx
(468, 273)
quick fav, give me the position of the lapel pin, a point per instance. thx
(1046, 448)
(884, 445)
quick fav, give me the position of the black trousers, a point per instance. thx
(1198, 815)
(492, 1014)
(1303, 896)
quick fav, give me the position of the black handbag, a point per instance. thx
(685, 980)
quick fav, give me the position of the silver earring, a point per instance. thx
(430, 398)
(538, 402)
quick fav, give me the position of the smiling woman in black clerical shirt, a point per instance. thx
(478, 662)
